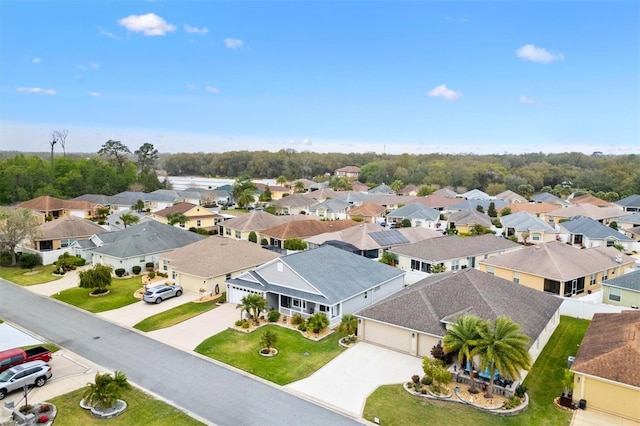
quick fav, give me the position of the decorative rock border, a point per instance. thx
(497, 410)
(272, 353)
(109, 412)
(346, 345)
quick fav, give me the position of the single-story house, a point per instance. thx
(438, 202)
(604, 215)
(415, 319)
(325, 279)
(322, 193)
(511, 197)
(368, 212)
(586, 232)
(209, 263)
(138, 244)
(558, 268)
(418, 214)
(382, 189)
(524, 224)
(392, 201)
(348, 172)
(464, 220)
(451, 252)
(589, 199)
(277, 235)
(546, 197)
(623, 290)
(536, 209)
(630, 204)
(197, 216)
(330, 209)
(476, 194)
(241, 226)
(474, 204)
(55, 207)
(607, 366)
(292, 204)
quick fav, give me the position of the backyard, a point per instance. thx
(392, 405)
(121, 293)
(298, 357)
(39, 275)
(174, 316)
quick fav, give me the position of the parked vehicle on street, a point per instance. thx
(158, 293)
(17, 356)
(34, 373)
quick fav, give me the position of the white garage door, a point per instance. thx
(235, 294)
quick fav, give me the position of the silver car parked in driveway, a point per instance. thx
(158, 293)
(28, 374)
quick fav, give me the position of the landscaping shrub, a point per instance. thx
(223, 297)
(119, 272)
(136, 269)
(29, 260)
(512, 402)
(152, 275)
(415, 378)
(5, 258)
(303, 327)
(426, 380)
(273, 316)
(149, 266)
(239, 323)
(26, 408)
(43, 419)
(44, 408)
(521, 390)
(246, 324)
(438, 353)
(297, 319)
(423, 391)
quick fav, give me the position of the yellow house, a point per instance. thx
(558, 268)
(607, 366)
(240, 227)
(623, 290)
(211, 262)
(197, 216)
(55, 207)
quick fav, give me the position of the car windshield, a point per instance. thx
(4, 377)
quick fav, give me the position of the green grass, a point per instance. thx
(142, 410)
(174, 316)
(120, 294)
(394, 406)
(241, 350)
(53, 348)
(39, 275)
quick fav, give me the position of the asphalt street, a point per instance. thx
(218, 394)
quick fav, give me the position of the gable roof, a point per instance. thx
(588, 210)
(437, 201)
(358, 236)
(441, 298)
(368, 209)
(332, 205)
(592, 229)
(359, 187)
(322, 194)
(610, 348)
(476, 194)
(470, 217)
(255, 221)
(473, 204)
(454, 247)
(382, 189)
(353, 197)
(392, 199)
(307, 228)
(68, 227)
(415, 211)
(545, 197)
(349, 169)
(628, 281)
(47, 203)
(145, 238)
(524, 221)
(559, 261)
(533, 208)
(446, 193)
(630, 201)
(176, 208)
(631, 218)
(224, 255)
(589, 199)
(295, 200)
(511, 197)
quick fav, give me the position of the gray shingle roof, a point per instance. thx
(592, 229)
(453, 247)
(633, 218)
(338, 275)
(332, 205)
(68, 227)
(425, 305)
(476, 194)
(382, 189)
(629, 281)
(470, 217)
(473, 205)
(415, 211)
(546, 197)
(524, 221)
(630, 201)
(145, 238)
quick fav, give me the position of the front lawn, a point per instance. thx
(142, 410)
(174, 315)
(298, 357)
(39, 275)
(120, 294)
(394, 406)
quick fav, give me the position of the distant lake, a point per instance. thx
(186, 182)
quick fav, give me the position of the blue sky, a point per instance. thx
(323, 76)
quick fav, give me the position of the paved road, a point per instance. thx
(215, 393)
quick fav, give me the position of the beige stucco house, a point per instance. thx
(623, 290)
(607, 366)
(198, 216)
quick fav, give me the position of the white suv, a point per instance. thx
(28, 374)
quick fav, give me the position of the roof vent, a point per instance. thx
(618, 259)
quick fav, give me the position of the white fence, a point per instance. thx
(585, 307)
(48, 257)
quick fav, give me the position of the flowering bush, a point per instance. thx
(43, 419)
(44, 408)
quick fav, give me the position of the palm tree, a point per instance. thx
(318, 322)
(254, 304)
(246, 197)
(268, 339)
(128, 219)
(348, 324)
(502, 346)
(281, 180)
(460, 338)
(106, 389)
(173, 218)
(298, 186)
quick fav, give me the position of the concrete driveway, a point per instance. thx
(590, 417)
(347, 381)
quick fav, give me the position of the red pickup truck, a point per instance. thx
(16, 356)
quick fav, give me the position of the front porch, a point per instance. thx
(290, 306)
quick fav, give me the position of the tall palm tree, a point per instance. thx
(348, 324)
(246, 197)
(299, 186)
(460, 338)
(502, 346)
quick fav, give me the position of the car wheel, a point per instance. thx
(3, 393)
(40, 381)
(178, 293)
(158, 300)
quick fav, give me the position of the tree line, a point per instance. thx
(115, 168)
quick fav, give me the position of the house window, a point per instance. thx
(614, 294)
(238, 234)
(592, 279)
(536, 236)
(228, 277)
(415, 265)
(516, 278)
(605, 275)
(142, 259)
(455, 265)
(164, 267)
(610, 243)
(491, 270)
(198, 223)
(418, 223)
(227, 231)
(296, 303)
(323, 308)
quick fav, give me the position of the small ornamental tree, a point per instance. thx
(491, 211)
(438, 373)
(406, 223)
(97, 278)
(389, 259)
(268, 339)
(253, 237)
(294, 244)
(29, 260)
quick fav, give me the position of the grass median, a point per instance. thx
(38, 275)
(174, 316)
(120, 294)
(392, 405)
(298, 357)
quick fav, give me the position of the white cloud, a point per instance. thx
(526, 100)
(149, 24)
(212, 89)
(93, 94)
(233, 43)
(196, 30)
(36, 60)
(36, 90)
(442, 92)
(108, 34)
(529, 52)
